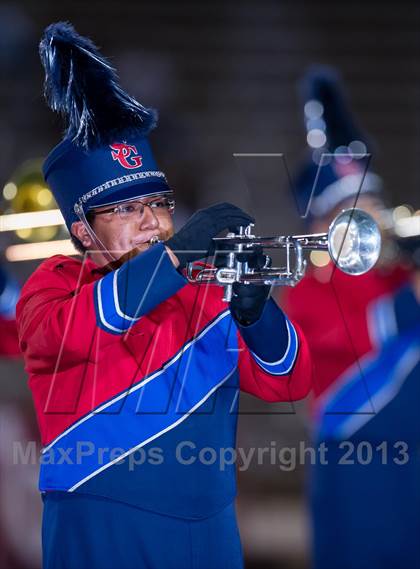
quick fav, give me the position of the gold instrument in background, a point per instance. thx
(353, 242)
(27, 192)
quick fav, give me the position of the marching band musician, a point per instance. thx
(364, 338)
(127, 360)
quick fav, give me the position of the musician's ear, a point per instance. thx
(79, 230)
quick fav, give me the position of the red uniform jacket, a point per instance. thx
(93, 343)
(342, 317)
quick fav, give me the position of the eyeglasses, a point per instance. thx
(135, 209)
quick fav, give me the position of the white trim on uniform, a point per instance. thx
(385, 395)
(292, 348)
(117, 302)
(101, 310)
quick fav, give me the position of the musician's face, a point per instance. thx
(121, 235)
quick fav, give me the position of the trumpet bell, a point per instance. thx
(354, 241)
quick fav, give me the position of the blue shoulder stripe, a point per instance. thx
(111, 317)
(136, 288)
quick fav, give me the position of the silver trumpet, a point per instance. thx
(353, 242)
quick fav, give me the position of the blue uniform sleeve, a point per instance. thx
(272, 340)
(390, 315)
(407, 309)
(142, 283)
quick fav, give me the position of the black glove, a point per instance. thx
(195, 240)
(248, 301)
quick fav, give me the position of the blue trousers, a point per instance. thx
(88, 532)
(366, 516)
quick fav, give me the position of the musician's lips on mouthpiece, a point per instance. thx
(147, 238)
(147, 241)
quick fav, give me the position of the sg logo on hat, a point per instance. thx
(126, 155)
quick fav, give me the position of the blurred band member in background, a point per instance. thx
(364, 334)
(19, 501)
(9, 294)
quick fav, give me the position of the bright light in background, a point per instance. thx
(408, 226)
(401, 211)
(24, 233)
(9, 191)
(42, 250)
(44, 197)
(313, 109)
(319, 258)
(29, 220)
(316, 138)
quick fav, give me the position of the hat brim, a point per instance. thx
(130, 192)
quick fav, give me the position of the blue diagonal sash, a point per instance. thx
(185, 382)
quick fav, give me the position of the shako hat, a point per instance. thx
(105, 156)
(336, 164)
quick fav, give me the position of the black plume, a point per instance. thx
(323, 84)
(82, 86)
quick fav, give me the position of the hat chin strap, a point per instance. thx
(101, 247)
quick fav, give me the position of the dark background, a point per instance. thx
(223, 76)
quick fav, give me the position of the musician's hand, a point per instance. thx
(195, 240)
(248, 301)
